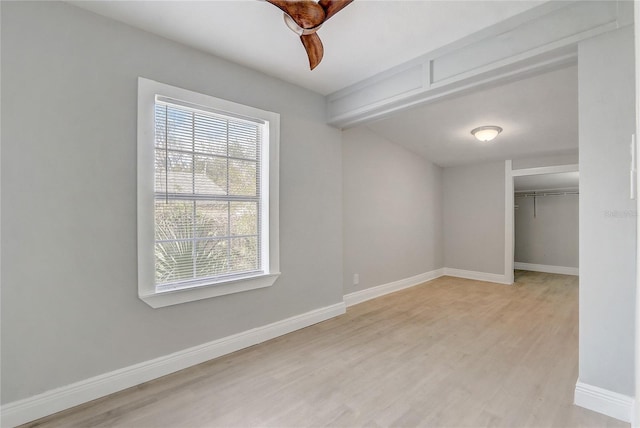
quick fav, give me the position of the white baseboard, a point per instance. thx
(564, 270)
(603, 401)
(478, 276)
(380, 290)
(65, 397)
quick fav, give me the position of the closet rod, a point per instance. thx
(535, 195)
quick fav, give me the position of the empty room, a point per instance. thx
(319, 213)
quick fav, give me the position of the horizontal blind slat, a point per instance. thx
(207, 191)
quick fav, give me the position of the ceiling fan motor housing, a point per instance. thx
(293, 26)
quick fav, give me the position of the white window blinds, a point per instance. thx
(207, 195)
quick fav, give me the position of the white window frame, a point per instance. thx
(147, 92)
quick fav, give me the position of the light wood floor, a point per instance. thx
(448, 353)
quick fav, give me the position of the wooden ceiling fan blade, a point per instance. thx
(313, 46)
(306, 13)
(331, 7)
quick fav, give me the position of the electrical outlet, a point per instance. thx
(356, 279)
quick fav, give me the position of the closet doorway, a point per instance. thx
(542, 212)
(546, 222)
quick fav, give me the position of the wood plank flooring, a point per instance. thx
(448, 353)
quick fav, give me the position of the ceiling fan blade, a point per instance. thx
(331, 7)
(306, 13)
(313, 46)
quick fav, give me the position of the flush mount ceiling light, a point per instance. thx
(486, 133)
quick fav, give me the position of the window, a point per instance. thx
(207, 196)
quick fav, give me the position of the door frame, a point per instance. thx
(509, 206)
(635, 419)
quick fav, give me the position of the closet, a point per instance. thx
(546, 222)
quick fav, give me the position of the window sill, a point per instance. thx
(174, 297)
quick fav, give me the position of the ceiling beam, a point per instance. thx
(539, 40)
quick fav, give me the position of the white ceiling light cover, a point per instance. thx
(486, 133)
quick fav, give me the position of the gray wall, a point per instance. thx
(551, 237)
(69, 297)
(473, 198)
(607, 215)
(392, 211)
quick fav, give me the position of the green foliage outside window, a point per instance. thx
(207, 196)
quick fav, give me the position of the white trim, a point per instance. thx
(183, 295)
(563, 270)
(559, 27)
(603, 401)
(545, 170)
(636, 411)
(391, 287)
(509, 222)
(478, 276)
(269, 179)
(62, 398)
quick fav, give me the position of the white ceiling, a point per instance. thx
(539, 115)
(561, 180)
(363, 39)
